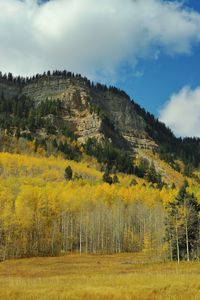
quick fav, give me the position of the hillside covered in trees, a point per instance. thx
(45, 213)
(83, 168)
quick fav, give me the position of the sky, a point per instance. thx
(149, 48)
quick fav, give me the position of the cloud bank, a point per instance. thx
(92, 37)
(182, 112)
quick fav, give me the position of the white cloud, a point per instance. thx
(90, 36)
(182, 112)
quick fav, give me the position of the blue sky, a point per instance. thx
(161, 78)
(165, 76)
(149, 48)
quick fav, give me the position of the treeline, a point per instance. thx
(21, 81)
(25, 80)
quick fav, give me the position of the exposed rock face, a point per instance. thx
(119, 122)
(76, 101)
(120, 112)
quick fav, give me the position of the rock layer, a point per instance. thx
(91, 112)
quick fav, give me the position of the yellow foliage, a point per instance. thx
(38, 204)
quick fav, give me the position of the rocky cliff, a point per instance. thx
(90, 111)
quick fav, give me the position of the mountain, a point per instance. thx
(64, 103)
(83, 168)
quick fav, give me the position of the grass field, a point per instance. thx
(90, 277)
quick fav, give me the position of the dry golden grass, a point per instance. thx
(90, 277)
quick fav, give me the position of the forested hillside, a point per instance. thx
(42, 213)
(85, 169)
(45, 213)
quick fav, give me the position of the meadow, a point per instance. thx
(94, 277)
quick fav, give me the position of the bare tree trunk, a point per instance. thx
(80, 233)
(71, 232)
(171, 253)
(177, 242)
(52, 239)
(187, 241)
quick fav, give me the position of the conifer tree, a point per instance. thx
(107, 178)
(68, 173)
(182, 225)
(115, 179)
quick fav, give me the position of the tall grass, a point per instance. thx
(90, 277)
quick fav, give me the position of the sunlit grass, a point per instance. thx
(91, 277)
